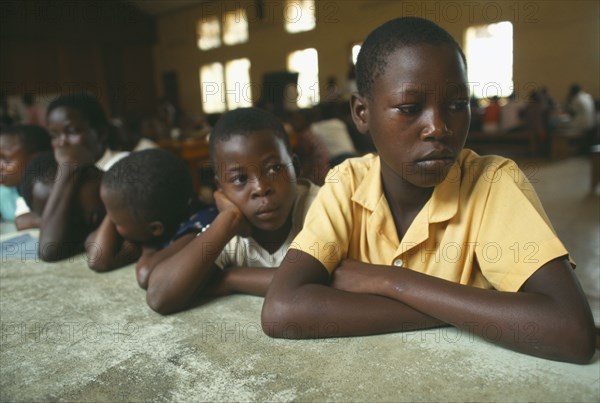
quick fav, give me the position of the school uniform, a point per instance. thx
(483, 226)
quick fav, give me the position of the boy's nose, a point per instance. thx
(435, 126)
(261, 186)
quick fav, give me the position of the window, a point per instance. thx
(299, 15)
(238, 90)
(235, 30)
(306, 64)
(235, 27)
(208, 31)
(355, 51)
(489, 52)
(211, 88)
(231, 90)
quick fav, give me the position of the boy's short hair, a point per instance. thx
(244, 121)
(86, 104)
(155, 186)
(33, 138)
(41, 168)
(391, 36)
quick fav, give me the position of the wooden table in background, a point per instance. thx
(194, 152)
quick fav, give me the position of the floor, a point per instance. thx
(69, 334)
(574, 209)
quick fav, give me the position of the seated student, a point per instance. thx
(427, 233)
(332, 131)
(18, 144)
(312, 152)
(87, 209)
(261, 209)
(150, 204)
(80, 133)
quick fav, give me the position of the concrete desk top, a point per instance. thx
(68, 333)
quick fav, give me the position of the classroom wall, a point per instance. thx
(555, 42)
(48, 47)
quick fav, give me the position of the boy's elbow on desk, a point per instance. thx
(51, 252)
(160, 302)
(581, 346)
(274, 313)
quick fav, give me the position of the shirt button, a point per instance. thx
(398, 262)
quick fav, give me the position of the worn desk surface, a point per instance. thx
(70, 334)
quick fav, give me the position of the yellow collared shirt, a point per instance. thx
(483, 226)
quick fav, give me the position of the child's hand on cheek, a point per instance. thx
(73, 157)
(225, 205)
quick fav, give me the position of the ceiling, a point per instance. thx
(161, 7)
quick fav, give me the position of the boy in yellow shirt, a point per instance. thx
(427, 233)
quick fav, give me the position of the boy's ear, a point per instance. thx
(157, 228)
(360, 112)
(217, 181)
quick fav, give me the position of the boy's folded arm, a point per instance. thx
(150, 258)
(107, 250)
(176, 280)
(548, 317)
(300, 303)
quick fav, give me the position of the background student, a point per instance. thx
(87, 207)
(80, 133)
(151, 209)
(18, 145)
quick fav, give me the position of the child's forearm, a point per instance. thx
(27, 221)
(549, 317)
(247, 280)
(175, 281)
(150, 259)
(301, 304)
(58, 239)
(107, 250)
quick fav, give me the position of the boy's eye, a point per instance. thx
(411, 109)
(274, 169)
(458, 105)
(239, 179)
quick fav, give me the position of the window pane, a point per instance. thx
(209, 32)
(355, 51)
(306, 63)
(235, 27)
(489, 52)
(211, 88)
(299, 15)
(237, 74)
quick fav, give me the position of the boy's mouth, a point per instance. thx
(438, 160)
(267, 212)
(443, 155)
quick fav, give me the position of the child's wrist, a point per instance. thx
(235, 219)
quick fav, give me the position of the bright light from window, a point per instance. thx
(306, 64)
(355, 51)
(237, 76)
(489, 52)
(208, 31)
(299, 15)
(212, 87)
(235, 27)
